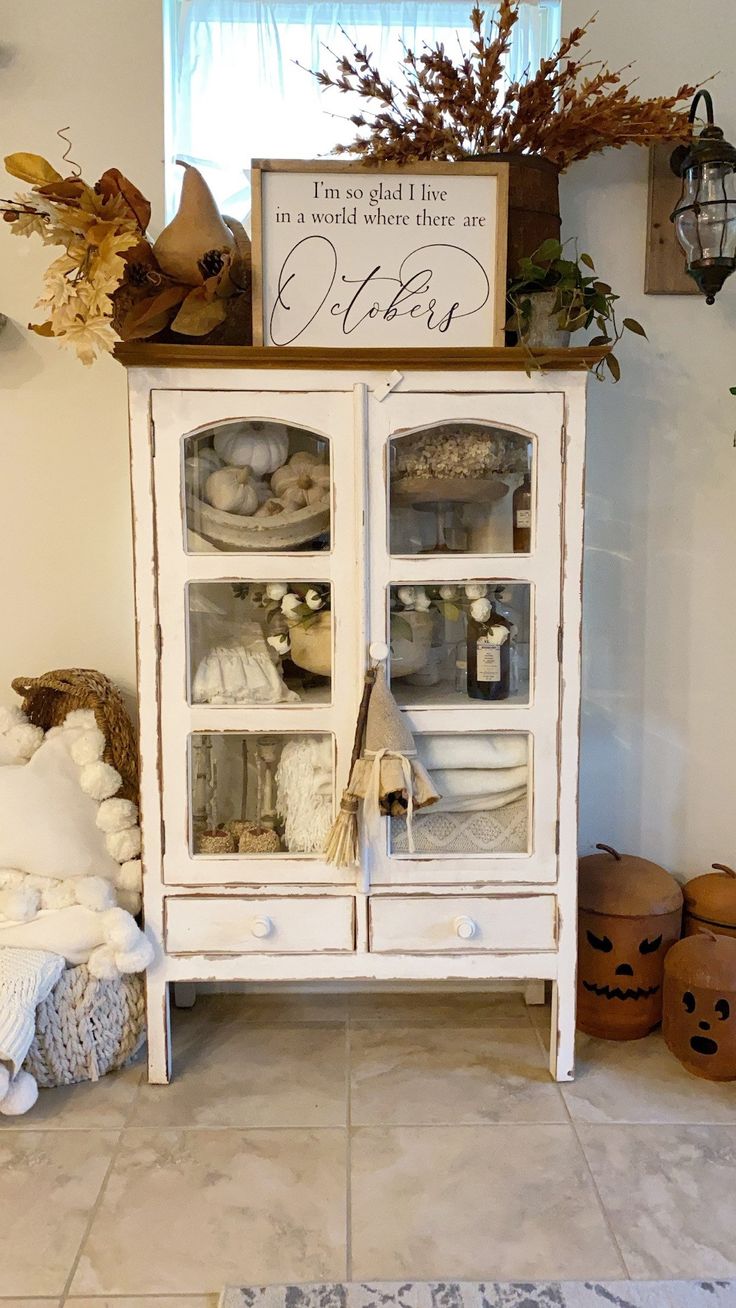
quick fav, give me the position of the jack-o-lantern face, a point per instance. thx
(620, 972)
(622, 989)
(700, 1029)
(705, 1044)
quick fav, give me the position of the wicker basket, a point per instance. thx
(86, 1027)
(47, 700)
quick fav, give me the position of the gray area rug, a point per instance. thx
(486, 1294)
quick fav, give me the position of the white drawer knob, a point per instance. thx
(465, 928)
(261, 927)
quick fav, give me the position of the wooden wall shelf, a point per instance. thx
(144, 354)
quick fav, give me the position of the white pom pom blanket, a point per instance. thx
(70, 875)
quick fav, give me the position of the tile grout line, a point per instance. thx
(348, 1151)
(603, 1210)
(100, 1193)
(90, 1220)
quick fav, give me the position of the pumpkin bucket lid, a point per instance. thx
(713, 895)
(705, 959)
(623, 885)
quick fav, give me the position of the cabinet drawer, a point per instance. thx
(234, 925)
(419, 924)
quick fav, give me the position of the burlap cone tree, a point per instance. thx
(386, 775)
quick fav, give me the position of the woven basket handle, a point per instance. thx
(23, 685)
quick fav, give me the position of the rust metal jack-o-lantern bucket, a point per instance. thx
(699, 1020)
(630, 914)
(710, 902)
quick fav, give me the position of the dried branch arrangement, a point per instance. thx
(111, 281)
(443, 109)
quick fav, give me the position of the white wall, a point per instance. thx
(659, 723)
(659, 758)
(65, 540)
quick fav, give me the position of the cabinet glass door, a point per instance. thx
(255, 485)
(461, 488)
(465, 557)
(261, 629)
(451, 642)
(257, 643)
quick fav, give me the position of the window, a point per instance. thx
(235, 91)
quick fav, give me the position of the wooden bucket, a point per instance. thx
(534, 203)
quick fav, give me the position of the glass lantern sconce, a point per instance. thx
(705, 216)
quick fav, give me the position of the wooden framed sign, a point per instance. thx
(346, 255)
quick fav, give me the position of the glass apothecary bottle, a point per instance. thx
(489, 652)
(522, 516)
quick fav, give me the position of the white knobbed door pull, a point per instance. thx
(261, 927)
(378, 651)
(465, 927)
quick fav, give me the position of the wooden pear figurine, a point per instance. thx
(196, 228)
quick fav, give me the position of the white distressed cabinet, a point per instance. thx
(239, 745)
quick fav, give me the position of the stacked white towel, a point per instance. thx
(497, 750)
(475, 773)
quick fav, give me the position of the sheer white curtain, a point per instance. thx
(234, 90)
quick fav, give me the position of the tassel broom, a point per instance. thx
(341, 847)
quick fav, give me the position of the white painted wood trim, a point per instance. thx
(562, 1036)
(362, 967)
(146, 622)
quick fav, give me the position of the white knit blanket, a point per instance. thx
(27, 977)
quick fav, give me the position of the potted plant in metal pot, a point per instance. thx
(554, 295)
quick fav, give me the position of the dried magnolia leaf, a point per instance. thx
(197, 315)
(150, 316)
(113, 182)
(67, 190)
(153, 327)
(31, 168)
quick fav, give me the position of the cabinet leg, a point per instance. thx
(185, 994)
(562, 1033)
(534, 993)
(159, 1030)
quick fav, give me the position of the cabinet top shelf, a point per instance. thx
(144, 354)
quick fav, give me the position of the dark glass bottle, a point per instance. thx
(489, 660)
(522, 510)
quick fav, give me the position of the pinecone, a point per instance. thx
(137, 274)
(211, 263)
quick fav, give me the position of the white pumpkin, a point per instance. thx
(269, 509)
(262, 447)
(198, 467)
(305, 479)
(232, 490)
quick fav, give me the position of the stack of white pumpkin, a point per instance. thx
(249, 473)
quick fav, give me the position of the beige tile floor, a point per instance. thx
(365, 1137)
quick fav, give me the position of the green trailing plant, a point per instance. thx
(581, 301)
